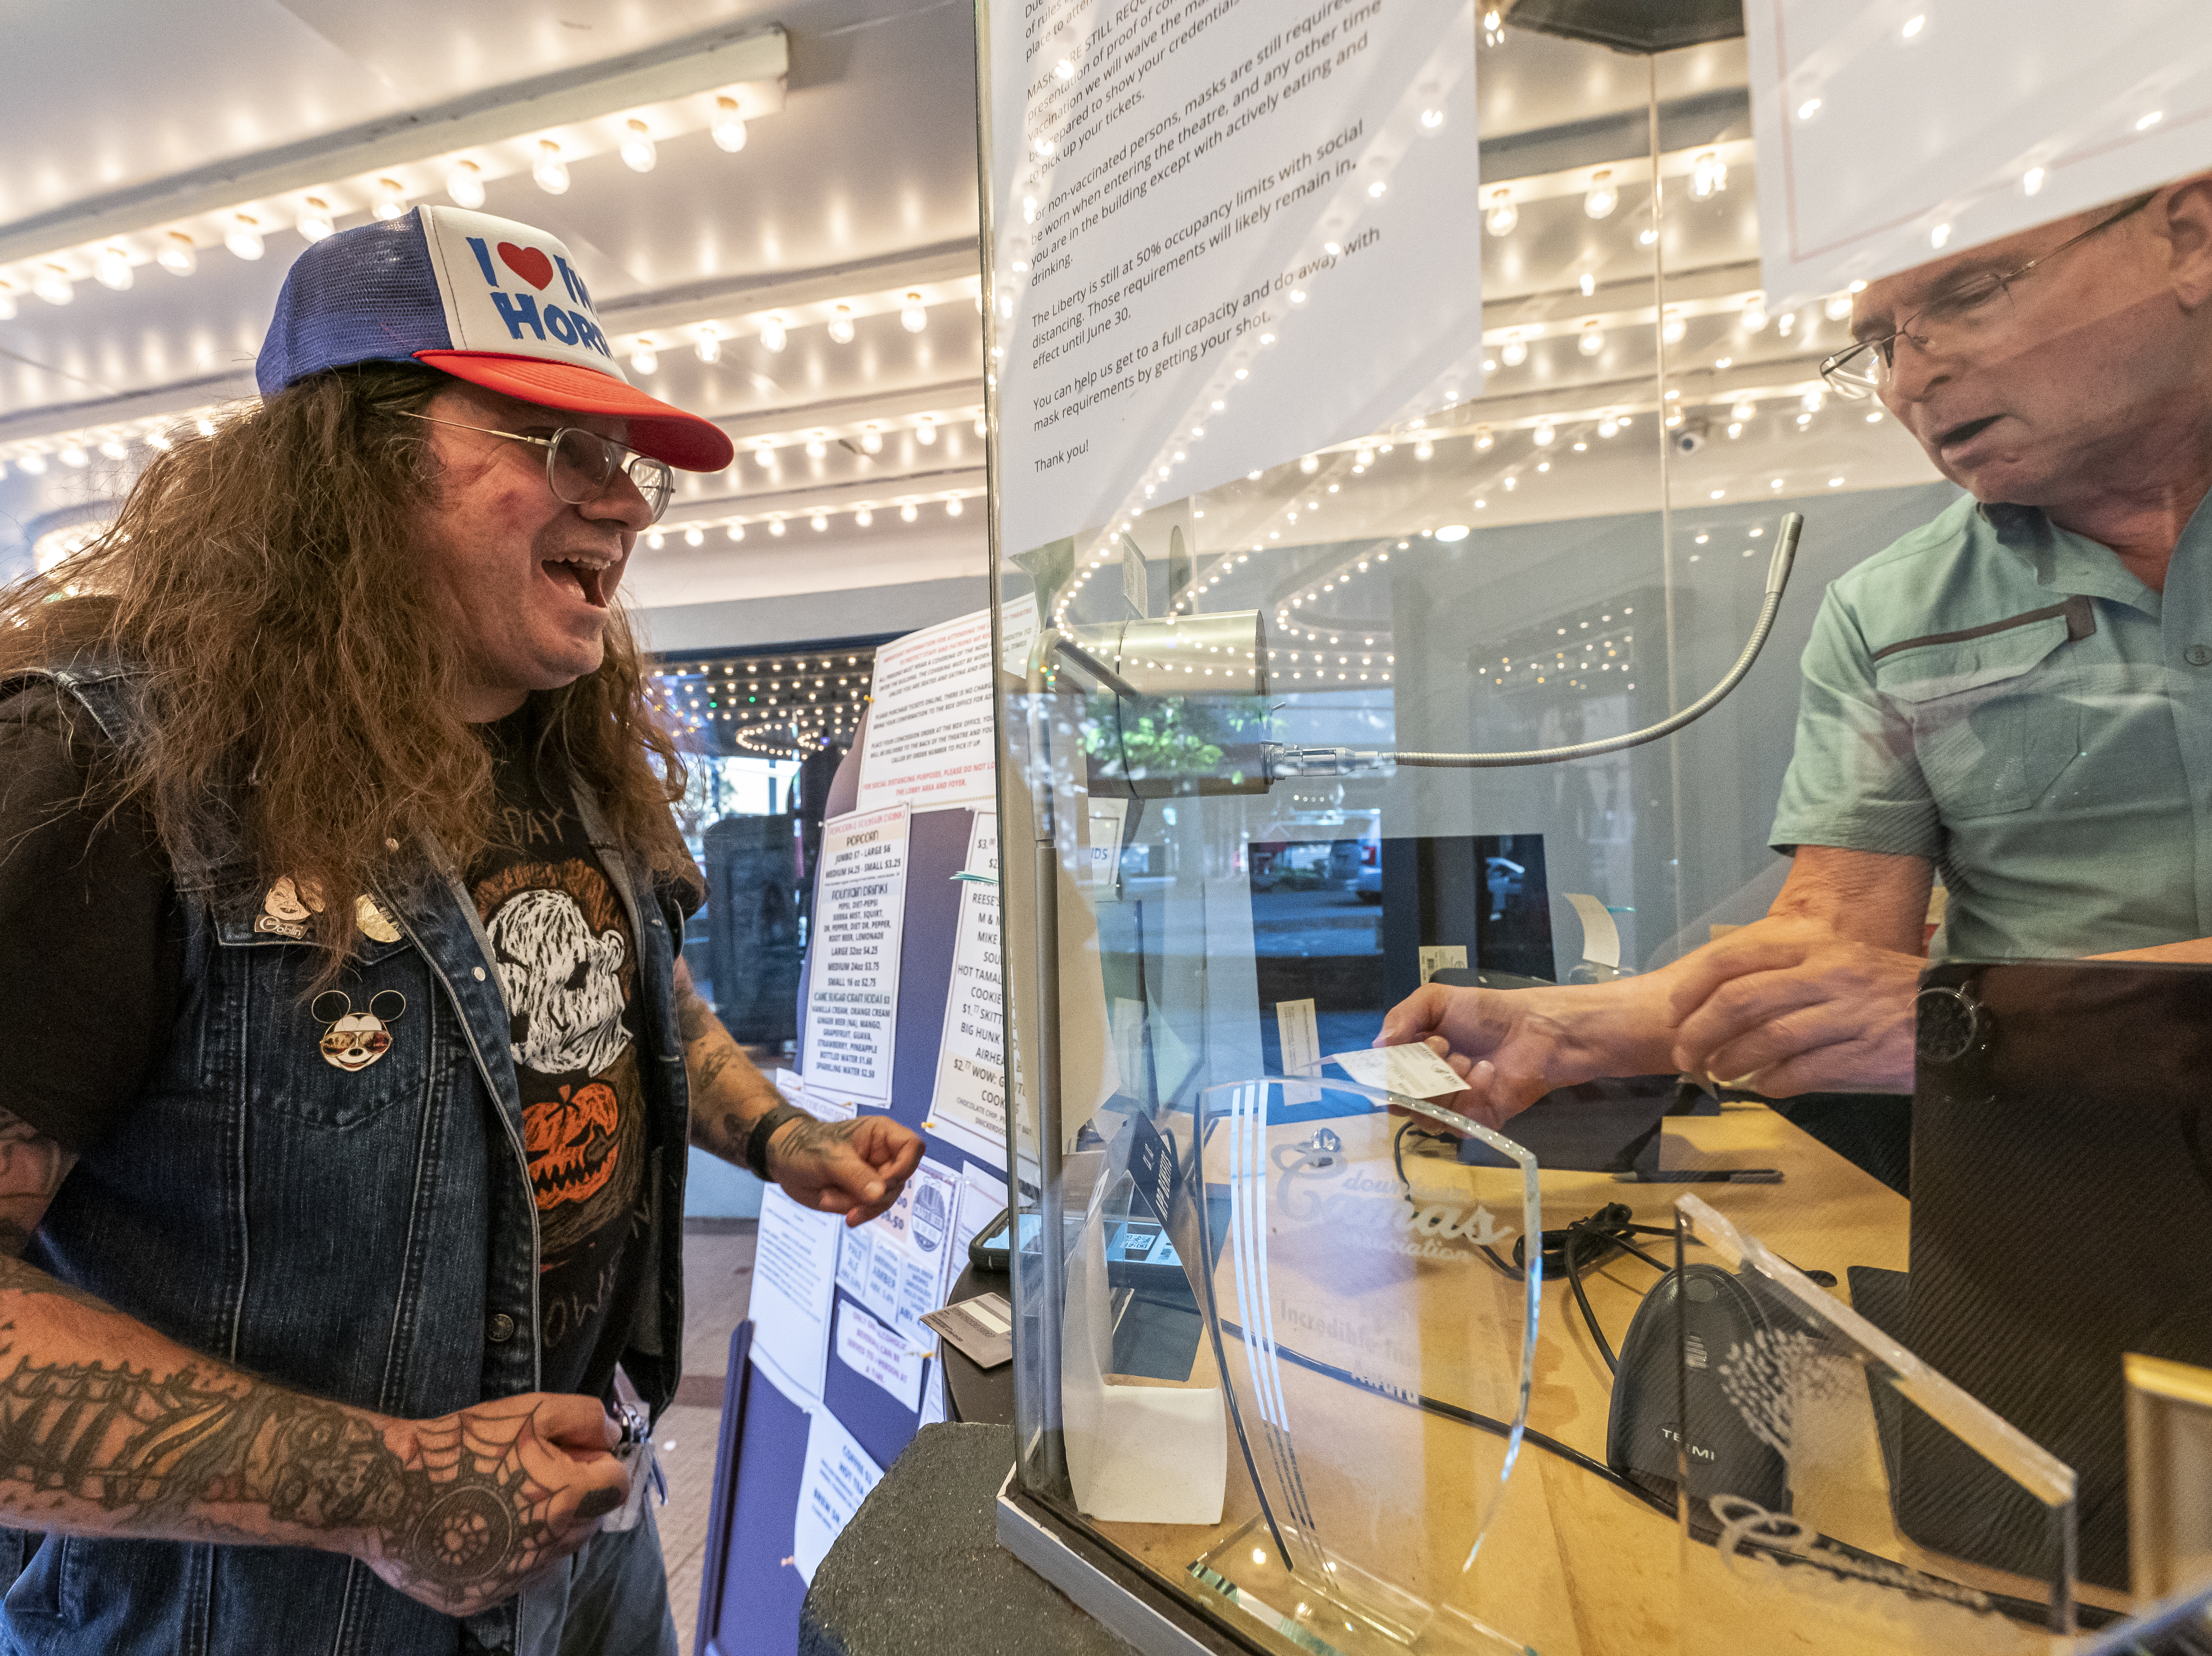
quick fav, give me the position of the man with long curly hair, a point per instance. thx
(351, 1058)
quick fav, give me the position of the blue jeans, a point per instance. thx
(609, 1598)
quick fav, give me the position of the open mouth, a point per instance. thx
(1966, 432)
(589, 579)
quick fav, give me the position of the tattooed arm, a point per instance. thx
(108, 1427)
(855, 1167)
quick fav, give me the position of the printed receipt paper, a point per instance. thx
(1413, 1071)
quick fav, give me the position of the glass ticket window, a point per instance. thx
(1495, 689)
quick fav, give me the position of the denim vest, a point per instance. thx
(369, 1237)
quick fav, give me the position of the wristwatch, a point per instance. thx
(764, 1129)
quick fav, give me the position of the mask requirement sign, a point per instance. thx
(1227, 232)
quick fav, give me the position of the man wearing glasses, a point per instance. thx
(351, 1055)
(2019, 694)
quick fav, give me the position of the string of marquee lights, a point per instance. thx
(772, 330)
(778, 706)
(244, 228)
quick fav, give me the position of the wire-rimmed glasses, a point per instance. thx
(580, 464)
(1957, 310)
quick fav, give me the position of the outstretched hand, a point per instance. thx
(1500, 1042)
(855, 1167)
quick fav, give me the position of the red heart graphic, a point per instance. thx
(533, 266)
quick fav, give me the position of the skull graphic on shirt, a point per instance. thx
(562, 983)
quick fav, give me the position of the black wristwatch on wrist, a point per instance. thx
(765, 1129)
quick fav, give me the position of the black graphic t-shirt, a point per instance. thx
(562, 943)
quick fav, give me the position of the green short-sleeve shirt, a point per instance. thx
(2003, 698)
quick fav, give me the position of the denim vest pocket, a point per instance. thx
(333, 1057)
(1995, 719)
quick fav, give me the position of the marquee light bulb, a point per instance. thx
(1837, 308)
(914, 318)
(729, 127)
(550, 172)
(315, 223)
(864, 517)
(1744, 409)
(644, 359)
(74, 456)
(1543, 434)
(1513, 353)
(656, 540)
(924, 430)
(1482, 439)
(1674, 328)
(638, 152)
(765, 454)
(736, 531)
(694, 536)
(1601, 197)
(112, 269)
(35, 465)
(909, 513)
(1708, 173)
(244, 238)
(872, 440)
(7, 303)
(816, 448)
(708, 348)
(1754, 314)
(983, 428)
(1502, 214)
(1310, 464)
(1593, 339)
(953, 507)
(464, 185)
(840, 325)
(772, 336)
(1422, 450)
(53, 285)
(775, 525)
(391, 200)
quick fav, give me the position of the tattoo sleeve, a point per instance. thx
(728, 1093)
(108, 1428)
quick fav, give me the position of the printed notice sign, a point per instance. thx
(1227, 234)
(852, 995)
(837, 1479)
(795, 1263)
(969, 1107)
(929, 719)
(880, 1354)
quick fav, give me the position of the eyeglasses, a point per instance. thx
(580, 464)
(1957, 311)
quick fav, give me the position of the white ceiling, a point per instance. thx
(863, 185)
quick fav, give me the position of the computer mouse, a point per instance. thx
(1727, 1338)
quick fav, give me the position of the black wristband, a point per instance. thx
(764, 1129)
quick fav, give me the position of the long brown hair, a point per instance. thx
(302, 682)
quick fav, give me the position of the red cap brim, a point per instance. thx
(684, 441)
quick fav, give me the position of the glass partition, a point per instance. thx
(1289, 747)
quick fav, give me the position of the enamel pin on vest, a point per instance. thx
(353, 1040)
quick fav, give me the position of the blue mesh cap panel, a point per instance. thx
(364, 295)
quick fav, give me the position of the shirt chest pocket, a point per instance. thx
(1995, 719)
(335, 1058)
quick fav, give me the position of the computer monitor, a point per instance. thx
(2062, 1215)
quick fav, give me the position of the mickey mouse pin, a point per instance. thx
(353, 1040)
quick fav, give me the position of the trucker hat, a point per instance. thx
(486, 299)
